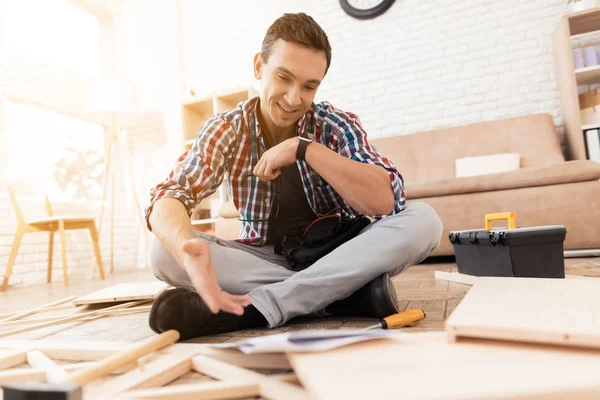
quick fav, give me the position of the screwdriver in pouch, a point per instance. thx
(399, 320)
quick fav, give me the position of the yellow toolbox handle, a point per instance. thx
(510, 216)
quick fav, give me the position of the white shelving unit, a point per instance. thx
(195, 114)
(568, 78)
(588, 75)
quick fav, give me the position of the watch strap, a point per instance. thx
(302, 145)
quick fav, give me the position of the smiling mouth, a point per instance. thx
(287, 110)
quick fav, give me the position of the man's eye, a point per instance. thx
(310, 88)
(283, 78)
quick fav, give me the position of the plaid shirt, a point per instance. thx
(231, 144)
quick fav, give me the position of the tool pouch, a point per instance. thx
(321, 237)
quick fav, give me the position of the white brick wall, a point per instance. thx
(421, 65)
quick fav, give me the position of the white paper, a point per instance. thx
(308, 341)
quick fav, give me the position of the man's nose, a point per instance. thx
(293, 96)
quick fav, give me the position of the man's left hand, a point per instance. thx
(273, 160)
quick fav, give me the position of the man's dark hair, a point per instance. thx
(299, 28)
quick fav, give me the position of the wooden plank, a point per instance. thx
(59, 350)
(289, 377)
(160, 371)
(37, 309)
(269, 388)
(124, 292)
(234, 356)
(13, 358)
(47, 309)
(54, 372)
(16, 375)
(96, 314)
(109, 364)
(438, 370)
(455, 277)
(558, 311)
(73, 318)
(198, 391)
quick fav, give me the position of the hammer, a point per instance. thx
(70, 389)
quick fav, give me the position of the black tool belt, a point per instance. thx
(321, 237)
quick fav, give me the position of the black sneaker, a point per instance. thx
(186, 312)
(377, 299)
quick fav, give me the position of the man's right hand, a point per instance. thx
(198, 265)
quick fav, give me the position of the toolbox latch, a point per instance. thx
(493, 238)
(501, 238)
(473, 237)
(454, 238)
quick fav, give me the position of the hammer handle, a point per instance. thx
(113, 362)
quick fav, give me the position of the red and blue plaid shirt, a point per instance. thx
(230, 144)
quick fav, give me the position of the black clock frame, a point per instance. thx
(366, 14)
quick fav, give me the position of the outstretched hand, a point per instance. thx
(198, 265)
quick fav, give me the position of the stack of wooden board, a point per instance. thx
(510, 338)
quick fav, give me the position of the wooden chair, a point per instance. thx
(49, 224)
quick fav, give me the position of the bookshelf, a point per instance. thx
(578, 23)
(196, 112)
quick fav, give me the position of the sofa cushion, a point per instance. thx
(490, 164)
(566, 172)
(428, 156)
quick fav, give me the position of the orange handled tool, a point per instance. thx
(399, 320)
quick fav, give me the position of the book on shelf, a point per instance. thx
(592, 144)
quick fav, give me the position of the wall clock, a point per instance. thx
(365, 9)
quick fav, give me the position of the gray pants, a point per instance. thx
(388, 245)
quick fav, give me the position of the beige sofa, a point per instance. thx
(546, 190)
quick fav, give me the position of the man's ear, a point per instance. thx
(258, 65)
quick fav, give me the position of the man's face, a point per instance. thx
(289, 81)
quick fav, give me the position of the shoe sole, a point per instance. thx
(161, 297)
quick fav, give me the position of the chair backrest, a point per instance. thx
(17, 208)
(48, 206)
(15, 204)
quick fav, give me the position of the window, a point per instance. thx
(54, 31)
(55, 154)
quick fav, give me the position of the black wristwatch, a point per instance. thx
(302, 145)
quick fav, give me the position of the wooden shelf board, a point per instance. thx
(204, 106)
(584, 21)
(591, 126)
(588, 75)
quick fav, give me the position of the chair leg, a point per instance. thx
(50, 254)
(63, 249)
(12, 258)
(94, 235)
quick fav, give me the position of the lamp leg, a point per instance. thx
(112, 217)
(107, 172)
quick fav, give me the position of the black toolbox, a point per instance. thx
(535, 252)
